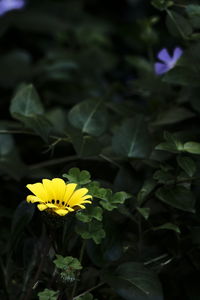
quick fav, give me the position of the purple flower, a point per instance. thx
(168, 62)
(7, 5)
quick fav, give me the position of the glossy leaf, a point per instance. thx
(132, 139)
(89, 116)
(133, 281)
(178, 197)
(187, 164)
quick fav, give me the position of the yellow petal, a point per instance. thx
(70, 187)
(49, 187)
(61, 212)
(76, 197)
(38, 190)
(33, 199)
(42, 206)
(59, 188)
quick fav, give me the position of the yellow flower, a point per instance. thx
(57, 197)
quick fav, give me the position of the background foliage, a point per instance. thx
(79, 92)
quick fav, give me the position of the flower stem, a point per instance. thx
(80, 259)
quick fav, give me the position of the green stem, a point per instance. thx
(80, 259)
(89, 290)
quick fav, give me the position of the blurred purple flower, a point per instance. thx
(168, 62)
(7, 5)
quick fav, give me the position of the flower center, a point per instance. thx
(58, 202)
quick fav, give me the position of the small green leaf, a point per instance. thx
(114, 200)
(90, 116)
(144, 211)
(178, 197)
(67, 262)
(132, 139)
(164, 177)
(92, 212)
(192, 147)
(48, 295)
(168, 226)
(146, 189)
(87, 296)
(76, 176)
(92, 230)
(187, 164)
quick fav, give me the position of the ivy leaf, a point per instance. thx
(132, 139)
(67, 262)
(48, 295)
(27, 108)
(76, 176)
(146, 189)
(144, 211)
(133, 281)
(90, 116)
(98, 192)
(92, 212)
(178, 197)
(187, 164)
(92, 230)
(192, 147)
(168, 226)
(114, 200)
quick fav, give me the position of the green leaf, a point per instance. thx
(193, 12)
(178, 25)
(84, 145)
(172, 144)
(76, 176)
(162, 4)
(27, 108)
(22, 216)
(181, 75)
(133, 281)
(144, 211)
(92, 212)
(178, 197)
(89, 116)
(109, 200)
(168, 226)
(26, 102)
(187, 164)
(132, 139)
(114, 200)
(67, 262)
(164, 177)
(92, 230)
(146, 189)
(87, 296)
(192, 147)
(48, 295)
(173, 115)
